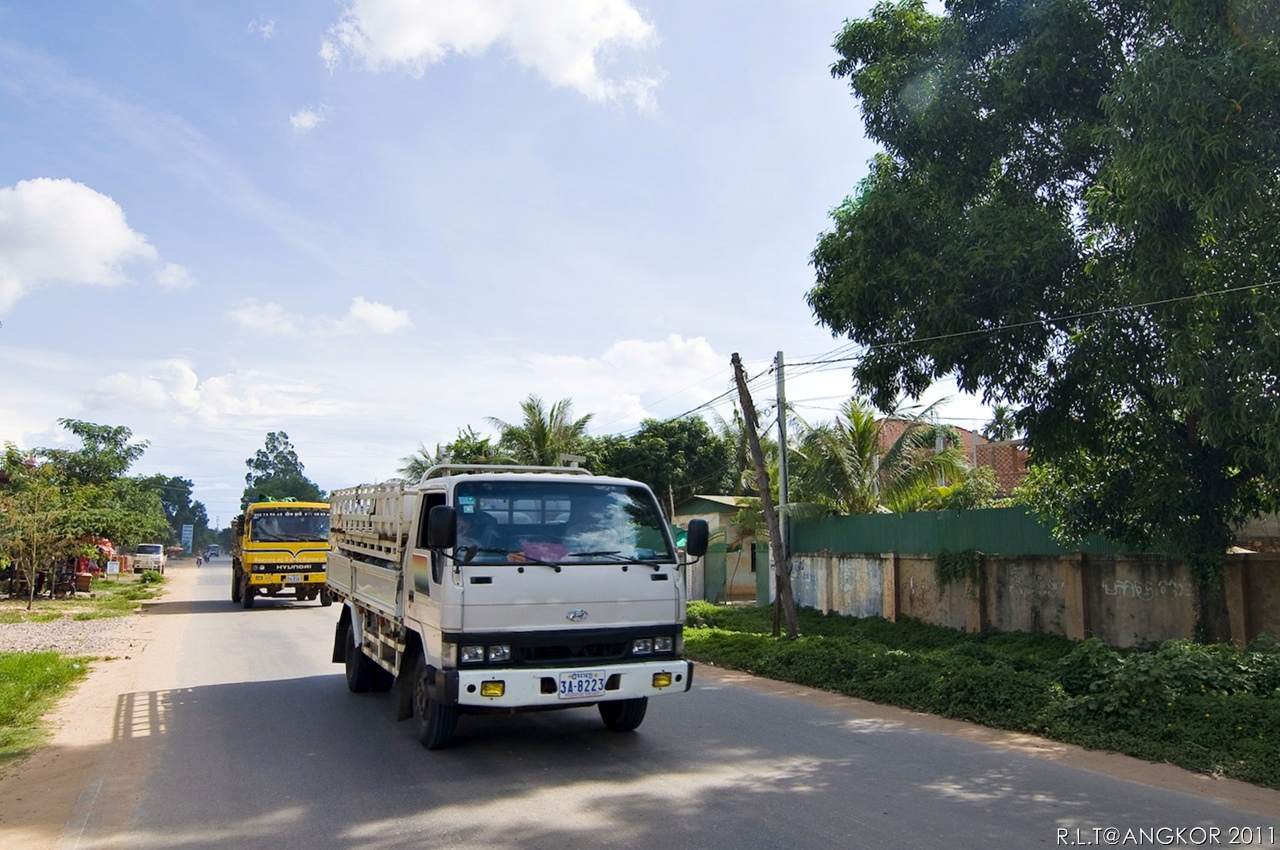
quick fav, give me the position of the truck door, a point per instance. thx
(428, 566)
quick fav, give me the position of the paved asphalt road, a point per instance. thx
(253, 741)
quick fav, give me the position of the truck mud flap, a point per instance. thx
(341, 634)
(403, 694)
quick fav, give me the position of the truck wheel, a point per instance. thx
(359, 677)
(235, 584)
(624, 715)
(325, 598)
(435, 722)
(247, 593)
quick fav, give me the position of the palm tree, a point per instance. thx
(544, 435)
(416, 464)
(845, 466)
(733, 433)
(1003, 425)
(469, 447)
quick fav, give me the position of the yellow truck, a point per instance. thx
(278, 547)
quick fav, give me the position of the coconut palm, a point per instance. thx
(1003, 425)
(846, 466)
(544, 435)
(742, 473)
(469, 447)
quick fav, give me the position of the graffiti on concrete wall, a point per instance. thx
(1027, 585)
(1148, 590)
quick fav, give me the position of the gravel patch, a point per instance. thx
(103, 636)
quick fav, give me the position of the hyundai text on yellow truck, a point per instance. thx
(494, 589)
(277, 547)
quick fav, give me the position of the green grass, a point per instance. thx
(107, 597)
(32, 617)
(30, 684)
(1209, 708)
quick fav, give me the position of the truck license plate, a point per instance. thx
(293, 579)
(581, 684)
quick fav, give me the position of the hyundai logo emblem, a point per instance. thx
(577, 615)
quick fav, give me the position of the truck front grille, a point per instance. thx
(561, 653)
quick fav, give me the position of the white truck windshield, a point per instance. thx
(570, 522)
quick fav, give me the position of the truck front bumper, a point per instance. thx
(286, 579)
(542, 687)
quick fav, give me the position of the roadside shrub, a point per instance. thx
(151, 577)
(1212, 708)
(994, 696)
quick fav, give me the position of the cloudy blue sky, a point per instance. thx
(370, 223)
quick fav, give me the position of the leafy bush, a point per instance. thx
(1205, 707)
(151, 577)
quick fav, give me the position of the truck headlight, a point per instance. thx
(499, 653)
(642, 646)
(664, 644)
(472, 655)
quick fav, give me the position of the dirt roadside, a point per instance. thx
(92, 767)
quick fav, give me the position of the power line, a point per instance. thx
(1053, 319)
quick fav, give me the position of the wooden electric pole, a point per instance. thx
(781, 569)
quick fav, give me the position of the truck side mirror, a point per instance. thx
(442, 527)
(696, 538)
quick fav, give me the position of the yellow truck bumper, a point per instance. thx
(285, 579)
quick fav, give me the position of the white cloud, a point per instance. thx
(563, 41)
(58, 230)
(372, 317)
(172, 276)
(263, 26)
(305, 120)
(259, 317)
(168, 386)
(369, 317)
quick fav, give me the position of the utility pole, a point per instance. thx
(781, 569)
(784, 520)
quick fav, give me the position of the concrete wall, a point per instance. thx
(1124, 600)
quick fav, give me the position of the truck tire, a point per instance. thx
(435, 723)
(326, 599)
(359, 676)
(247, 593)
(623, 715)
(235, 583)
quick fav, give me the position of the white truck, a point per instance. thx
(149, 556)
(487, 589)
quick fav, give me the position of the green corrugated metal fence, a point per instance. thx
(1008, 531)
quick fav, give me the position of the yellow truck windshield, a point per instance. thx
(289, 525)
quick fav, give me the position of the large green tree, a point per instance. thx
(675, 457)
(1078, 213)
(105, 454)
(175, 495)
(58, 503)
(275, 472)
(544, 434)
(100, 499)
